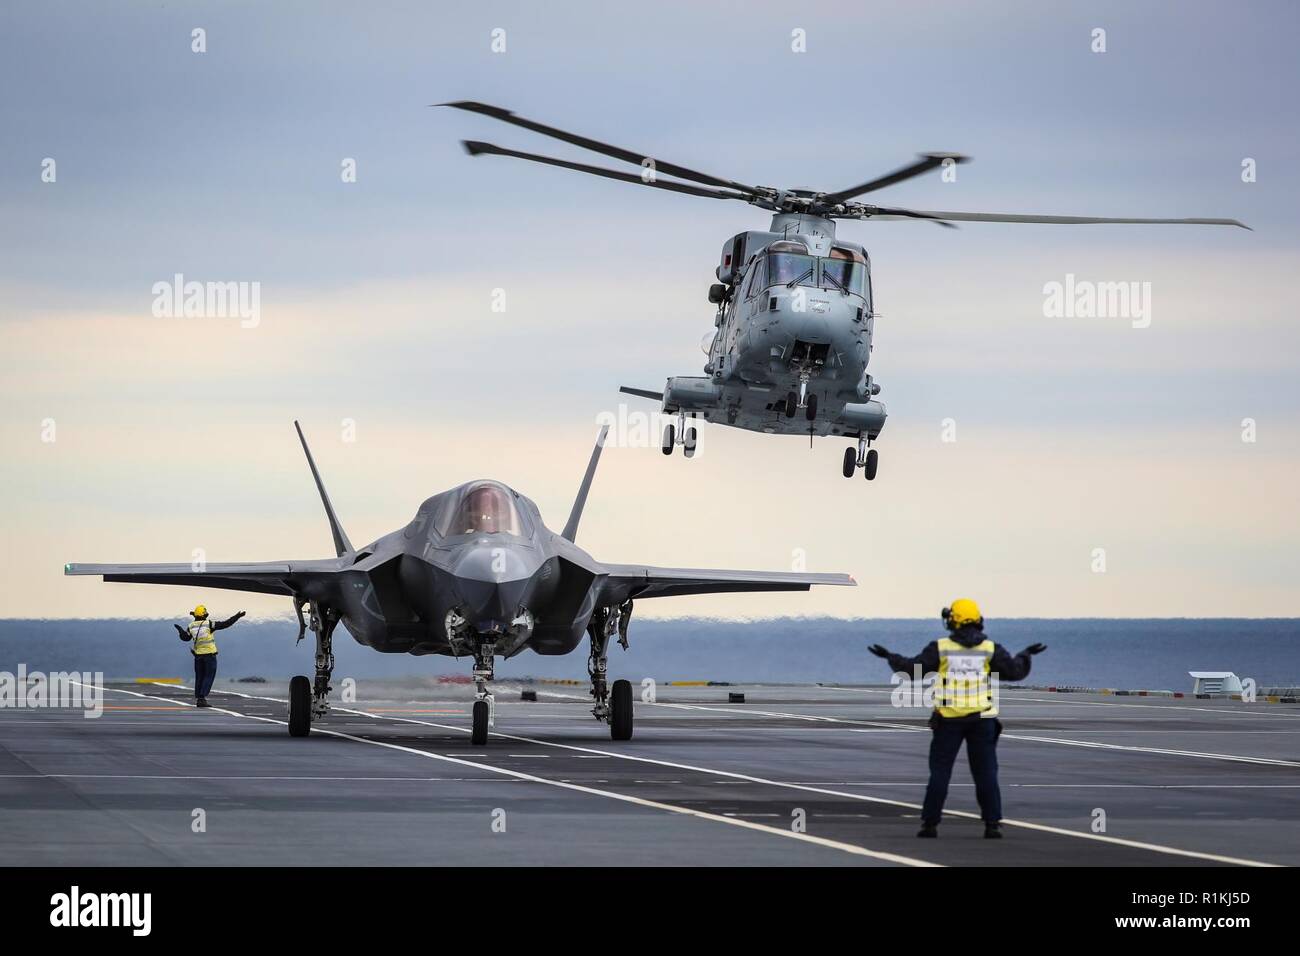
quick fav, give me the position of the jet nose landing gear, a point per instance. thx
(866, 459)
(484, 655)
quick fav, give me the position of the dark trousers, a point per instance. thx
(205, 672)
(981, 737)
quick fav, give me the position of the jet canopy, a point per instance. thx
(480, 507)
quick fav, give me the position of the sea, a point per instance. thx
(1144, 653)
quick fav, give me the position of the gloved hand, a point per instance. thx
(1033, 649)
(878, 650)
(181, 631)
(240, 614)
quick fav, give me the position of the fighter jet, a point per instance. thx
(475, 574)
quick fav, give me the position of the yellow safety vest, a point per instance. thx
(203, 641)
(964, 687)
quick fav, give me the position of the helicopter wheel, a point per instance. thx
(810, 412)
(670, 436)
(850, 461)
(791, 403)
(872, 463)
(688, 445)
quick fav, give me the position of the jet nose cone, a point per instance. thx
(493, 581)
(492, 563)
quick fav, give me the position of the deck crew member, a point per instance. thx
(965, 709)
(203, 645)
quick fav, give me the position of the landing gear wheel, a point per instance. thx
(688, 446)
(791, 403)
(478, 736)
(670, 437)
(872, 463)
(299, 707)
(810, 411)
(620, 710)
(850, 461)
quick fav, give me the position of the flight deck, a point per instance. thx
(794, 775)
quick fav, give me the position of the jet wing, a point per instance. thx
(623, 581)
(265, 577)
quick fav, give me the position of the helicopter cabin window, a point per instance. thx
(844, 270)
(484, 508)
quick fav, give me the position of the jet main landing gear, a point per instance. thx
(613, 707)
(868, 459)
(309, 700)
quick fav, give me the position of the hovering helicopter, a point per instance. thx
(795, 312)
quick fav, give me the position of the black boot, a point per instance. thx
(993, 831)
(202, 702)
(928, 830)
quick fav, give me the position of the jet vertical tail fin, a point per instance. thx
(570, 531)
(341, 543)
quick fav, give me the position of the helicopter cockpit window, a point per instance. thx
(844, 275)
(484, 508)
(784, 268)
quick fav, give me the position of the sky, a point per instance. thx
(1100, 465)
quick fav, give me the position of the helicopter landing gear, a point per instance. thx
(680, 434)
(802, 399)
(866, 459)
(484, 653)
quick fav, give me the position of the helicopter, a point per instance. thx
(795, 315)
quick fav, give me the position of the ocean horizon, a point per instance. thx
(1121, 653)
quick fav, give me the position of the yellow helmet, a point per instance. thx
(961, 612)
(199, 611)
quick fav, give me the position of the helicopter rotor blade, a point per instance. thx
(892, 212)
(596, 146)
(924, 163)
(1064, 220)
(476, 148)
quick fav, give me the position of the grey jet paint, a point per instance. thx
(475, 573)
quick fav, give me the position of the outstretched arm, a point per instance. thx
(1014, 668)
(221, 625)
(185, 635)
(928, 659)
